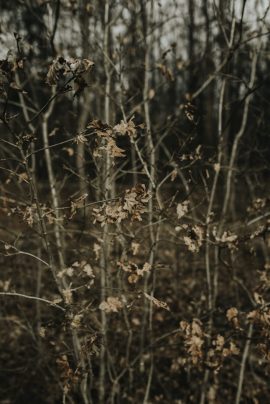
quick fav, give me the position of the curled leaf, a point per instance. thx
(156, 302)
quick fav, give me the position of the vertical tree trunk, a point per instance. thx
(84, 100)
(191, 47)
(79, 356)
(105, 185)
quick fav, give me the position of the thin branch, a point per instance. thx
(243, 365)
(33, 298)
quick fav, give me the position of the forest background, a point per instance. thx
(134, 233)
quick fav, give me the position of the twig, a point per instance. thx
(243, 365)
(33, 298)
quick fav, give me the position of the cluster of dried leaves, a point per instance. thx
(132, 205)
(204, 350)
(30, 215)
(68, 377)
(192, 236)
(63, 71)
(106, 137)
(111, 304)
(260, 317)
(135, 273)
(82, 269)
(8, 68)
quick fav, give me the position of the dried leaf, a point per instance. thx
(88, 270)
(126, 128)
(182, 209)
(133, 278)
(135, 248)
(67, 294)
(113, 149)
(259, 299)
(57, 70)
(111, 305)
(97, 249)
(76, 321)
(80, 138)
(42, 332)
(232, 314)
(157, 302)
(174, 175)
(145, 269)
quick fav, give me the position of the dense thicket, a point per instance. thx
(134, 233)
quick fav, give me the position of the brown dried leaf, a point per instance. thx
(111, 305)
(259, 299)
(145, 269)
(76, 321)
(135, 248)
(133, 278)
(182, 209)
(57, 69)
(231, 313)
(126, 128)
(157, 302)
(113, 149)
(67, 294)
(97, 249)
